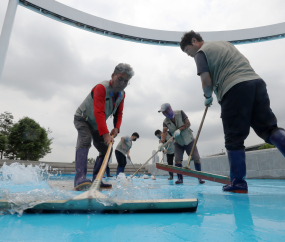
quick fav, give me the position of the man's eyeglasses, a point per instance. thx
(126, 82)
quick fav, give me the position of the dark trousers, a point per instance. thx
(179, 151)
(86, 134)
(121, 159)
(170, 158)
(247, 105)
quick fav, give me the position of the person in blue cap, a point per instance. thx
(178, 125)
(123, 149)
(242, 95)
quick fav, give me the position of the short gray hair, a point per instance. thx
(124, 68)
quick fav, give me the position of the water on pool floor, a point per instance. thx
(257, 216)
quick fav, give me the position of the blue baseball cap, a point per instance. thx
(164, 107)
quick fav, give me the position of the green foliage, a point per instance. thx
(29, 141)
(266, 146)
(6, 122)
(3, 144)
(90, 160)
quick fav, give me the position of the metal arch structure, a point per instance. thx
(88, 22)
(85, 21)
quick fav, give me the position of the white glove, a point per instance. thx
(208, 101)
(176, 133)
(160, 148)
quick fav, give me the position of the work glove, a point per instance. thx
(208, 101)
(160, 147)
(176, 133)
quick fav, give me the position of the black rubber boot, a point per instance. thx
(180, 177)
(237, 172)
(108, 172)
(278, 139)
(97, 166)
(198, 168)
(170, 176)
(80, 181)
(120, 170)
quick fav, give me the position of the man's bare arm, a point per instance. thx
(163, 135)
(186, 124)
(207, 85)
(123, 142)
(128, 154)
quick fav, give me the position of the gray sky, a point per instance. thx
(50, 68)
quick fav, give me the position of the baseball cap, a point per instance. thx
(164, 107)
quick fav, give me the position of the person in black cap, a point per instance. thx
(178, 124)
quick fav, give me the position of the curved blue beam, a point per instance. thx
(85, 21)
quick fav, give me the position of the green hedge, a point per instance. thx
(266, 146)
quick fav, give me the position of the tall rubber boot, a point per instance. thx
(237, 172)
(80, 181)
(97, 166)
(180, 177)
(278, 139)
(170, 176)
(108, 172)
(120, 170)
(198, 168)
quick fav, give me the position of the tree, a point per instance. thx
(6, 122)
(29, 139)
(91, 161)
(266, 146)
(3, 144)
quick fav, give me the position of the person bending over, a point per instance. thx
(178, 125)
(243, 98)
(123, 149)
(104, 100)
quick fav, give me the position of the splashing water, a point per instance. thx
(129, 189)
(145, 176)
(26, 186)
(21, 200)
(20, 174)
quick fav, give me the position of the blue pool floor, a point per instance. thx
(256, 216)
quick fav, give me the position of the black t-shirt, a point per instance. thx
(184, 116)
(201, 63)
